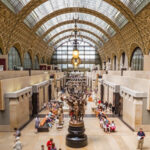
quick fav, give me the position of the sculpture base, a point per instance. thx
(76, 137)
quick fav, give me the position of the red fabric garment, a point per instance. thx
(49, 145)
(99, 101)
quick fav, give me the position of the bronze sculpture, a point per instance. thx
(76, 100)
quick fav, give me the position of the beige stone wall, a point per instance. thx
(19, 111)
(132, 112)
(11, 85)
(110, 98)
(15, 74)
(146, 62)
(105, 92)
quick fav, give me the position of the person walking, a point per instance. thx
(141, 136)
(17, 145)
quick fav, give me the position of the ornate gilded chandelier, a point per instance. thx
(75, 59)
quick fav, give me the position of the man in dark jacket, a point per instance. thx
(141, 136)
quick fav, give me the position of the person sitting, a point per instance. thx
(112, 127)
(108, 126)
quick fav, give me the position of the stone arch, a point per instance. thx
(28, 63)
(14, 58)
(123, 63)
(114, 61)
(137, 59)
(17, 45)
(132, 48)
(36, 58)
(42, 60)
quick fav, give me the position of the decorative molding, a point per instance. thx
(18, 93)
(134, 93)
(35, 87)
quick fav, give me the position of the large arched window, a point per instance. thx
(63, 54)
(36, 63)
(1, 53)
(48, 61)
(14, 60)
(27, 61)
(115, 62)
(137, 59)
(123, 61)
(42, 60)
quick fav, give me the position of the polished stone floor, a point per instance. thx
(123, 139)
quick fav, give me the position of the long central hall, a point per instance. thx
(74, 74)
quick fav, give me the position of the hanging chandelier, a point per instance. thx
(76, 61)
(75, 56)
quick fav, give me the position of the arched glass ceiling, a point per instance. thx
(15, 5)
(135, 5)
(82, 16)
(82, 34)
(80, 42)
(71, 26)
(72, 39)
(98, 5)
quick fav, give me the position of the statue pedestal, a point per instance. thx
(76, 137)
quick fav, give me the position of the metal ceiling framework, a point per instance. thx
(80, 29)
(106, 16)
(83, 36)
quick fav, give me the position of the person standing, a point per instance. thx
(49, 144)
(17, 133)
(141, 136)
(18, 144)
(42, 147)
(37, 124)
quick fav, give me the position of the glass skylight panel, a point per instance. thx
(90, 36)
(71, 39)
(94, 30)
(62, 35)
(135, 5)
(47, 37)
(99, 5)
(15, 5)
(82, 16)
(71, 26)
(82, 34)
